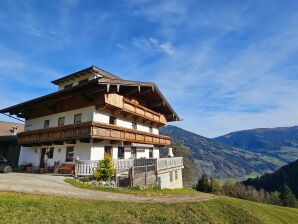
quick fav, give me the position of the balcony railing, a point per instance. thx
(87, 168)
(88, 130)
(127, 106)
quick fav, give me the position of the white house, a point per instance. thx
(94, 113)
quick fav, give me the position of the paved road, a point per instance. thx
(54, 185)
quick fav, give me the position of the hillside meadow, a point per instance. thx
(27, 208)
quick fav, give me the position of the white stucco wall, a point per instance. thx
(38, 123)
(164, 179)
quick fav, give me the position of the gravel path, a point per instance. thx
(47, 184)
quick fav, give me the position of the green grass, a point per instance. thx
(25, 208)
(136, 191)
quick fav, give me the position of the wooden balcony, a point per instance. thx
(90, 130)
(126, 106)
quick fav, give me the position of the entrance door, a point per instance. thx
(43, 153)
(108, 151)
(133, 152)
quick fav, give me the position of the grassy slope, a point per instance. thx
(20, 208)
(135, 191)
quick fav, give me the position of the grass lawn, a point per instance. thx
(136, 191)
(25, 208)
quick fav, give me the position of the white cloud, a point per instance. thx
(154, 45)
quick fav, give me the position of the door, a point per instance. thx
(108, 151)
(43, 153)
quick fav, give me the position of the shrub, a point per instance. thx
(287, 197)
(238, 190)
(206, 184)
(105, 171)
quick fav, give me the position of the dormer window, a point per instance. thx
(83, 81)
(68, 86)
(46, 124)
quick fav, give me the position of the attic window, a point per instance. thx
(68, 86)
(83, 81)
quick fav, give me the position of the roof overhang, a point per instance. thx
(147, 90)
(91, 70)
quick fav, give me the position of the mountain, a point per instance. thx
(286, 175)
(219, 160)
(280, 143)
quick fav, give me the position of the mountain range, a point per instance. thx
(236, 154)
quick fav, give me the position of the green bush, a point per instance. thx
(206, 184)
(105, 171)
(287, 197)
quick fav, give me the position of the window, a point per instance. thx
(150, 129)
(133, 152)
(68, 86)
(77, 118)
(120, 152)
(61, 121)
(150, 153)
(176, 175)
(112, 120)
(69, 153)
(50, 153)
(83, 81)
(46, 124)
(108, 150)
(171, 176)
(134, 125)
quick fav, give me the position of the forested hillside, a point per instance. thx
(286, 175)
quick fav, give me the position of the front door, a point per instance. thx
(108, 151)
(43, 153)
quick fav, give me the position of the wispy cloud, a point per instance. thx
(154, 45)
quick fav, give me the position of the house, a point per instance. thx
(94, 113)
(9, 147)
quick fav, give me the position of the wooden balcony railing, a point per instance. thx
(127, 106)
(88, 130)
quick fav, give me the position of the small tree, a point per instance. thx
(203, 184)
(105, 171)
(287, 197)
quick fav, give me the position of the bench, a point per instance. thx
(66, 168)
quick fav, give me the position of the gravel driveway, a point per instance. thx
(54, 185)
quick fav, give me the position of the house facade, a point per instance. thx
(9, 147)
(94, 113)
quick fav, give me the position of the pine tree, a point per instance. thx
(287, 197)
(105, 171)
(203, 184)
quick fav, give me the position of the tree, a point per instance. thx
(287, 197)
(203, 184)
(105, 171)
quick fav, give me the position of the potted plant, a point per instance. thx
(42, 167)
(29, 167)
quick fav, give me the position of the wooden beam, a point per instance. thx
(97, 140)
(58, 143)
(87, 140)
(72, 141)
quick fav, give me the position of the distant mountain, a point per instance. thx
(219, 160)
(280, 143)
(286, 175)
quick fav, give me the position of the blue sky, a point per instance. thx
(223, 65)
